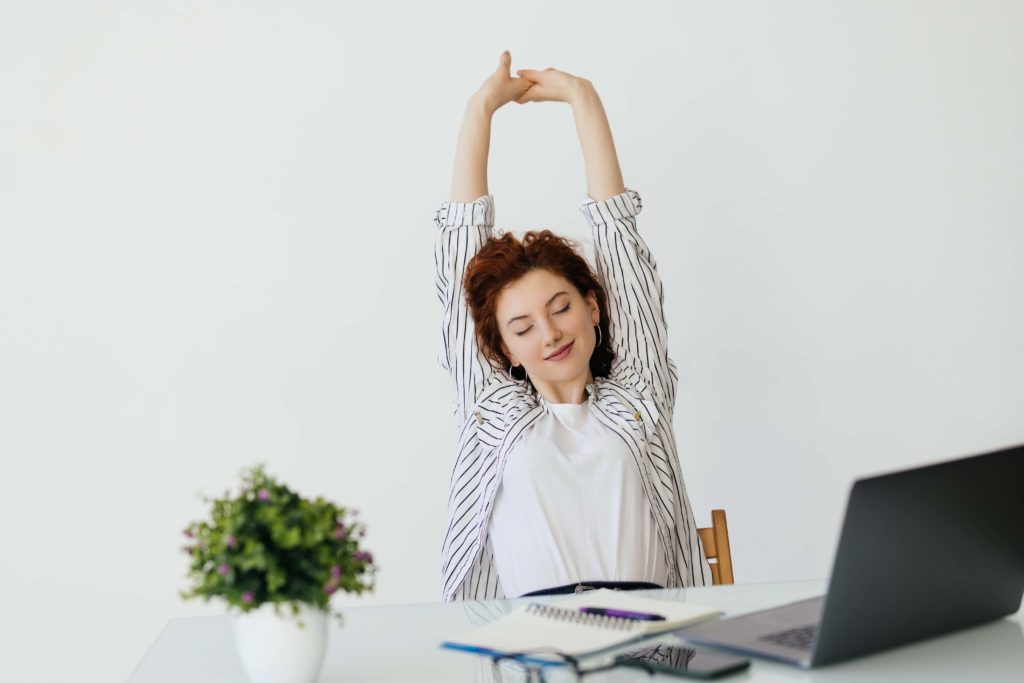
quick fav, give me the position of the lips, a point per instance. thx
(564, 351)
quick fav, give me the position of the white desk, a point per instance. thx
(401, 643)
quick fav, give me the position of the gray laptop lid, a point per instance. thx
(926, 551)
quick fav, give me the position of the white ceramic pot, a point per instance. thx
(273, 648)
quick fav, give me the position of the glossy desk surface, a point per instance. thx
(402, 643)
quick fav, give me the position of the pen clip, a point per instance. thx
(622, 614)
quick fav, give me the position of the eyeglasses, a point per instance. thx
(530, 671)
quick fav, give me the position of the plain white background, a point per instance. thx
(216, 249)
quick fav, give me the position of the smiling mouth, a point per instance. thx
(560, 352)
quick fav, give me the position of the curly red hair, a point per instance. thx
(503, 260)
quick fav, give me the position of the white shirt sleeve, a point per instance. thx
(462, 229)
(635, 295)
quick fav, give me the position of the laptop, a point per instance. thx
(922, 552)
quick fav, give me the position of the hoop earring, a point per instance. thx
(511, 377)
(598, 344)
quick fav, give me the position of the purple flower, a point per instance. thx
(362, 533)
(339, 532)
(363, 556)
(330, 588)
(335, 571)
(188, 533)
(224, 569)
(187, 549)
(232, 541)
(263, 494)
(247, 597)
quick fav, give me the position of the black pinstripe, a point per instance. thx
(492, 412)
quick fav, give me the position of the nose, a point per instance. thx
(552, 335)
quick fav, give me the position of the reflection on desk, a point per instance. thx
(402, 643)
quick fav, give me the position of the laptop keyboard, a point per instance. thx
(797, 638)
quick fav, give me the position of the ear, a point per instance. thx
(595, 310)
(508, 354)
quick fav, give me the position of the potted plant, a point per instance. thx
(266, 549)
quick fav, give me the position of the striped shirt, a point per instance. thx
(636, 401)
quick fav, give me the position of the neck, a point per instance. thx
(569, 391)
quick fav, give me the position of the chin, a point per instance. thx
(567, 373)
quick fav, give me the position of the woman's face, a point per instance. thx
(541, 313)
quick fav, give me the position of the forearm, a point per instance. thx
(469, 179)
(604, 177)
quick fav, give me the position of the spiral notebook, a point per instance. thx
(561, 627)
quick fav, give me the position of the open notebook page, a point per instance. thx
(559, 626)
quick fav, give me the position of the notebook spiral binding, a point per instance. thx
(599, 620)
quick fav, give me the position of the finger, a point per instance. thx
(533, 94)
(505, 62)
(530, 74)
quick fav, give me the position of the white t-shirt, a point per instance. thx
(571, 508)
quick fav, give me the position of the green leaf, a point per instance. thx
(285, 547)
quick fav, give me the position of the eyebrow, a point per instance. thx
(512, 320)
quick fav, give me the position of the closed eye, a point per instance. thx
(520, 334)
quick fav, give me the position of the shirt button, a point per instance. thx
(479, 418)
(637, 415)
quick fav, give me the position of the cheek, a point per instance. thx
(584, 322)
(515, 344)
(525, 347)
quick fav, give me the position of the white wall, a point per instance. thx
(216, 248)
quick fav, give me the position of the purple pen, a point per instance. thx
(622, 614)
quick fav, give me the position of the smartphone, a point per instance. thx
(682, 661)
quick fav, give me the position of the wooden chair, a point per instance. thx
(715, 540)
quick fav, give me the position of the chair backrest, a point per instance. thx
(715, 540)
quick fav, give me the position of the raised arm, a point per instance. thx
(624, 263)
(469, 178)
(604, 177)
(464, 224)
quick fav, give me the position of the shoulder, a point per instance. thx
(627, 372)
(498, 406)
(631, 403)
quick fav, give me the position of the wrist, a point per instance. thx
(478, 104)
(581, 92)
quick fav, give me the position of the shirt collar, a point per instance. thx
(592, 391)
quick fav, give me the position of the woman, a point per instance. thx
(567, 475)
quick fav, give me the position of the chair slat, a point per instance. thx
(707, 538)
(721, 528)
(715, 540)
